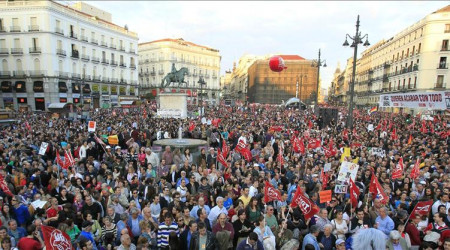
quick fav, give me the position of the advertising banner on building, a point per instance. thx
(430, 100)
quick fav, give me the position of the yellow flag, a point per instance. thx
(113, 140)
(346, 153)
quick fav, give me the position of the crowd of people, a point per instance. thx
(135, 195)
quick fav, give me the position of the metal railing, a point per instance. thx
(104, 44)
(2, 29)
(14, 29)
(113, 63)
(95, 59)
(60, 52)
(33, 28)
(37, 73)
(75, 54)
(94, 41)
(73, 35)
(84, 38)
(442, 66)
(85, 57)
(4, 51)
(19, 73)
(35, 50)
(5, 74)
(113, 46)
(122, 48)
(59, 31)
(16, 51)
(104, 61)
(122, 64)
(133, 66)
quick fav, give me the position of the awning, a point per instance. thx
(57, 105)
(126, 102)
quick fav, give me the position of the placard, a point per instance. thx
(168, 113)
(348, 170)
(340, 189)
(43, 148)
(91, 126)
(378, 152)
(327, 167)
(325, 196)
(430, 100)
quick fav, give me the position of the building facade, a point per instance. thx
(156, 59)
(53, 53)
(266, 86)
(414, 60)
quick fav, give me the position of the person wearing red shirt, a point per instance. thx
(30, 242)
(413, 231)
(52, 213)
(438, 226)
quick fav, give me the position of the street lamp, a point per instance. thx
(201, 81)
(357, 39)
(301, 85)
(318, 63)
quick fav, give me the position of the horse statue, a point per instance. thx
(174, 77)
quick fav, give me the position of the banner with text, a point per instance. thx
(430, 100)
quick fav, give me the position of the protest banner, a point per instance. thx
(43, 148)
(340, 189)
(348, 170)
(430, 100)
(91, 126)
(378, 152)
(325, 196)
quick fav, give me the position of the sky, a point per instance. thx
(236, 28)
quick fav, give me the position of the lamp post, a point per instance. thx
(201, 81)
(357, 39)
(318, 63)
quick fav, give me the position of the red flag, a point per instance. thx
(324, 179)
(398, 171)
(308, 207)
(241, 145)
(215, 122)
(58, 159)
(68, 160)
(4, 186)
(302, 147)
(247, 154)
(27, 125)
(225, 149)
(191, 126)
(310, 125)
(345, 135)
(410, 139)
(313, 143)
(276, 128)
(394, 134)
(354, 193)
(221, 159)
(295, 144)
(422, 207)
(376, 189)
(416, 170)
(55, 239)
(378, 126)
(330, 144)
(271, 193)
(424, 129)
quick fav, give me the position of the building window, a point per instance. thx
(443, 63)
(22, 100)
(440, 81)
(415, 81)
(38, 86)
(62, 100)
(444, 46)
(6, 87)
(447, 28)
(20, 87)
(409, 83)
(418, 49)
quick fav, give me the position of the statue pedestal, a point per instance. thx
(172, 105)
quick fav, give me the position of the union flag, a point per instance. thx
(307, 206)
(271, 193)
(422, 207)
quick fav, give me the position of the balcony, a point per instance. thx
(386, 65)
(86, 78)
(416, 67)
(96, 78)
(14, 29)
(442, 65)
(85, 58)
(114, 80)
(75, 54)
(113, 63)
(94, 41)
(206, 76)
(73, 35)
(214, 77)
(104, 44)
(35, 50)
(153, 73)
(19, 73)
(76, 76)
(105, 79)
(95, 59)
(439, 86)
(17, 51)
(123, 81)
(63, 75)
(84, 38)
(59, 31)
(4, 51)
(444, 49)
(133, 66)
(194, 74)
(5, 74)
(104, 61)
(33, 28)
(123, 65)
(37, 73)
(61, 52)
(122, 48)
(161, 72)
(2, 29)
(132, 51)
(113, 46)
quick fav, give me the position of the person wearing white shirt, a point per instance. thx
(253, 190)
(443, 200)
(216, 211)
(83, 149)
(152, 157)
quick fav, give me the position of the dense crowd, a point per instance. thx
(130, 196)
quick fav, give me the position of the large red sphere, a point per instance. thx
(276, 63)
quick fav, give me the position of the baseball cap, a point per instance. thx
(108, 146)
(340, 241)
(117, 147)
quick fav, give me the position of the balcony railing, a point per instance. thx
(439, 85)
(94, 41)
(37, 73)
(33, 28)
(84, 38)
(132, 51)
(73, 35)
(104, 44)
(104, 61)
(61, 52)
(95, 59)
(35, 50)
(442, 66)
(123, 65)
(19, 73)
(4, 51)
(153, 73)
(64, 75)
(96, 78)
(416, 67)
(113, 63)
(214, 76)
(105, 79)
(444, 49)
(114, 80)
(2, 29)
(122, 48)
(14, 29)
(76, 76)
(5, 74)
(17, 51)
(123, 81)
(161, 72)
(113, 46)
(132, 66)
(85, 57)
(59, 31)
(75, 54)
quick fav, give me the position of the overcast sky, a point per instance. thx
(236, 28)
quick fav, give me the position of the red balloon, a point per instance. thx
(276, 64)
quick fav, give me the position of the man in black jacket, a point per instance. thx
(187, 235)
(210, 241)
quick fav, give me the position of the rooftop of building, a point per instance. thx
(445, 9)
(180, 41)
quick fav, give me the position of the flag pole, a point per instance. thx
(409, 216)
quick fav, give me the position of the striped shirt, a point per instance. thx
(164, 231)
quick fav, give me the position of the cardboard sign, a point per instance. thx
(327, 167)
(325, 196)
(43, 148)
(378, 152)
(91, 126)
(348, 170)
(340, 189)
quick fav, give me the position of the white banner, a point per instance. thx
(378, 152)
(168, 113)
(43, 148)
(348, 170)
(430, 100)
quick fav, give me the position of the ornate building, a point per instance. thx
(157, 58)
(53, 54)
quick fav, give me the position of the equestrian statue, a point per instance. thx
(175, 76)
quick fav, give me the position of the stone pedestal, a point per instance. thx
(172, 105)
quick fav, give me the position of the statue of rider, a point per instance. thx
(174, 71)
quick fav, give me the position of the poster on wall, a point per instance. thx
(431, 100)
